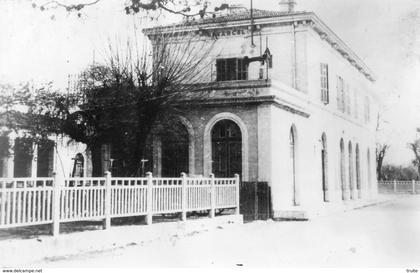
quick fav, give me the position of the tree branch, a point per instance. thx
(72, 7)
(135, 6)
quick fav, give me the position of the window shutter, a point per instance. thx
(322, 82)
(327, 85)
(348, 101)
(355, 105)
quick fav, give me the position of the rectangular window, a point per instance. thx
(367, 110)
(348, 100)
(340, 94)
(325, 97)
(231, 69)
(356, 105)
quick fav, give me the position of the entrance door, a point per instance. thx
(226, 149)
(175, 151)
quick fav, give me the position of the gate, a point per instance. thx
(255, 201)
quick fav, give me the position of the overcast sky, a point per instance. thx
(384, 33)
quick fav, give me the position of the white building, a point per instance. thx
(21, 158)
(286, 104)
(301, 119)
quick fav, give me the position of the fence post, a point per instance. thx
(395, 186)
(107, 221)
(414, 186)
(3, 202)
(184, 196)
(149, 216)
(212, 196)
(56, 205)
(237, 181)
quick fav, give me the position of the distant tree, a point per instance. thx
(392, 172)
(381, 150)
(120, 102)
(381, 146)
(415, 147)
(34, 112)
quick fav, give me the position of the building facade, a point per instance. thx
(282, 101)
(20, 157)
(286, 102)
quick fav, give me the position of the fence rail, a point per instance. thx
(396, 186)
(36, 201)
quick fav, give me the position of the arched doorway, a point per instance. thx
(293, 161)
(351, 174)
(175, 150)
(226, 139)
(324, 166)
(342, 170)
(359, 188)
(369, 174)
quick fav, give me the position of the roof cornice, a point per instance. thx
(302, 18)
(327, 34)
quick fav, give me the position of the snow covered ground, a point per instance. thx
(387, 235)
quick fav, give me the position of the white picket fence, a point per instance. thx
(396, 186)
(36, 201)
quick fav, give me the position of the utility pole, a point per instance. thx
(252, 24)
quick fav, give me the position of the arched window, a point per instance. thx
(369, 173)
(358, 182)
(78, 166)
(293, 161)
(226, 139)
(324, 166)
(351, 173)
(342, 170)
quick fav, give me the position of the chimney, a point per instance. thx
(287, 5)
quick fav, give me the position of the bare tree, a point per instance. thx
(120, 102)
(381, 146)
(415, 147)
(381, 150)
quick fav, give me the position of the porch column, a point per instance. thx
(34, 163)
(88, 161)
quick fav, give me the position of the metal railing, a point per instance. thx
(397, 186)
